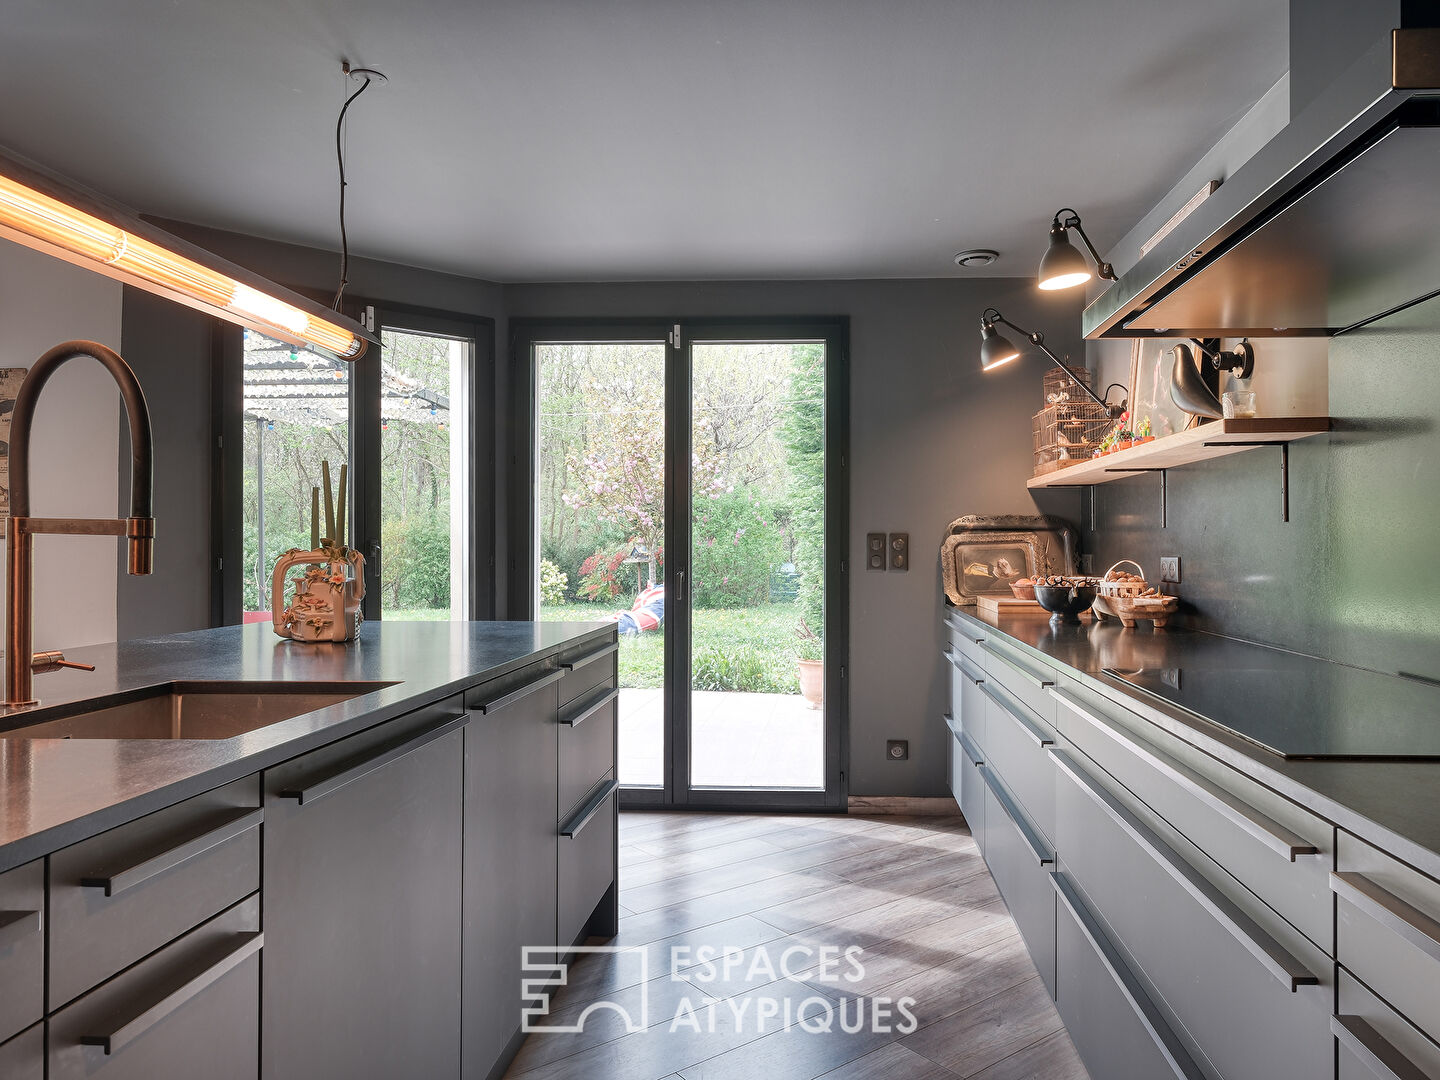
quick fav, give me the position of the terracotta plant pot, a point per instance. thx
(1124, 444)
(1146, 438)
(812, 682)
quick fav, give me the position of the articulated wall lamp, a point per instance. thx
(1062, 266)
(996, 349)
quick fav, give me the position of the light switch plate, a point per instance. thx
(899, 551)
(875, 551)
(1170, 569)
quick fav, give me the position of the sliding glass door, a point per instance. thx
(686, 481)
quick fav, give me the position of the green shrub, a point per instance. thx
(742, 668)
(736, 548)
(804, 435)
(553, 583)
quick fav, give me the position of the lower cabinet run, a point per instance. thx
(1178, 911)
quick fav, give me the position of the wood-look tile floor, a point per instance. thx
(912, 893)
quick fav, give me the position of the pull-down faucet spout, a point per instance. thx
(138, 528)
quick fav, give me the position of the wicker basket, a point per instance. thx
(1068, 433)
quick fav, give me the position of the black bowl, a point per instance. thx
(1065, 601)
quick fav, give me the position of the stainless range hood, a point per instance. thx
(1332, 224)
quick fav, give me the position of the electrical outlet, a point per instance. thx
(1170, 569)
(875, 551)
(897, 749)
(900, 551)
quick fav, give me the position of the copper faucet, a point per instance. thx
(138, 528)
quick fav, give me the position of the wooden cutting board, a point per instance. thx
(998, 605)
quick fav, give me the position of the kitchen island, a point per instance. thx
(1214, 853)
(450, 801)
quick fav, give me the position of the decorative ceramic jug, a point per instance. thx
(327, 599)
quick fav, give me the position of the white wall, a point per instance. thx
(44, 301)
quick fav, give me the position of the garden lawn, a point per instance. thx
(748, 649)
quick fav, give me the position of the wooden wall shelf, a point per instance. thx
(1200, 443)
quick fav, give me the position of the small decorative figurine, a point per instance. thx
(327, 599)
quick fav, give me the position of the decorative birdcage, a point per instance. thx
(1067, 433)
(1059, 384)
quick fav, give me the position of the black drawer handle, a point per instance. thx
(971, 750)
(16, 926)
(515, 695)
(586, 711)
(348, 772)
(1025, 673)
(1374, 1049)
(152, 1014)
(953, 725)
(581, 817)
(1043, 855)
(1028, 726)
(960, 628)
(1257, 941)
(1268, 831)
(590, 657)
(233, 825)
(1165, 1040)
(1406, 920)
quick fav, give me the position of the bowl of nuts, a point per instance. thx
(1065, 597)
(1023, 588)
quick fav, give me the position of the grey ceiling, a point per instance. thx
(625, 139)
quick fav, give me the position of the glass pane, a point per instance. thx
(600, 520)
(424, 477)
(757, 565)
(297, 413)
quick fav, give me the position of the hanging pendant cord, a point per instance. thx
(340, 159)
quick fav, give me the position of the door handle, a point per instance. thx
(233, 825)
(1278, 960)
(553, 675)
(347, 772)
(586, 711)
(150, 1015)
(680, 586)
(589, 658)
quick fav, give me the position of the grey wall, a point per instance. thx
(169, 347)
(930, 439)
(1352, 576)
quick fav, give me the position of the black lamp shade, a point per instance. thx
(995, 349)
(1063, 266)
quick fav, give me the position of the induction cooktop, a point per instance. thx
(1306, 708)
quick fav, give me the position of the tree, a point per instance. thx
(804, 434)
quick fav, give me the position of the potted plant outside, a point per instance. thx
(810, 662)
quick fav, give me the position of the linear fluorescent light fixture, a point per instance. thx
(44, 213)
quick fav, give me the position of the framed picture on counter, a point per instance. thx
(1151, 361)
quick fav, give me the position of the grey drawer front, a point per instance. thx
(1387, 918)
(1250, 1004)
(954, 774)
(586, 866)
(965, 638)
(587, 746)
(166, 872)
(1375, 1042)
(972, 790)
(1115, 1026)
(191, 1010)
(23, 1057)
(22, 947)
(1023, 677)
(1023, 881)
(1276, 849)
(1015, 742)
(593, 665)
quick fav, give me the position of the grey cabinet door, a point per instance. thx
(511, 788)
(22, 947)
(362, 872)
(23, 1057)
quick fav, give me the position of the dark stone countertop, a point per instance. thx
(54, 792)
(1395, 805)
